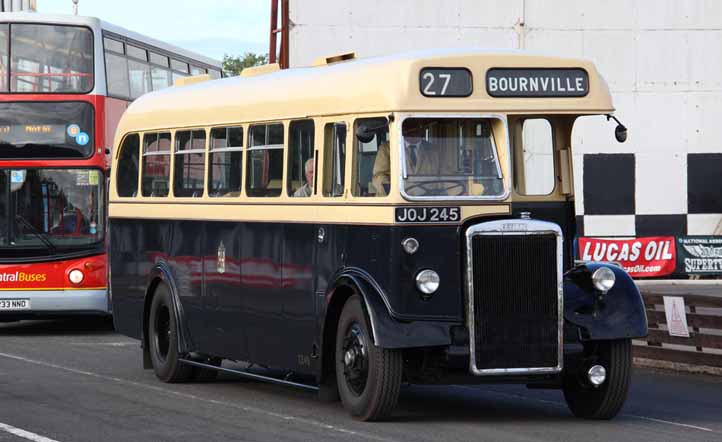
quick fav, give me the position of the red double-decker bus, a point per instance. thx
(64, 83)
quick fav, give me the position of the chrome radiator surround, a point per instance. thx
(513, 227)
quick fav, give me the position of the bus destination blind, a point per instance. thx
(520, 82)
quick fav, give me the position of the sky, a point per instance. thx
(210, 27)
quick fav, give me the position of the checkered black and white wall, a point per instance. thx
(627, 194)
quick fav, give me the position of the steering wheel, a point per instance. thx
(434, 188)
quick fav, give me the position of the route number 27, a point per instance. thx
(445, 82)
(430, 78)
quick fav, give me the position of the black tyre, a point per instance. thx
(163, 339)
(605, 401)
(369, 377)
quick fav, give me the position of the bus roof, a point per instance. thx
(97, 24)
(380, 84)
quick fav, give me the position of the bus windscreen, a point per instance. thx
(50, 209)
(48, 58)
(46, 130)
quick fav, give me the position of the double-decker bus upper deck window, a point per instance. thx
(156, 164)
(215, 74)
(301, 166)
(225, 166)
(534, 157)
(46, 130)
(334, 173)
(139, 76)
(159, 72)
(113, 45)
(371, 158)
(4, 72)
(136, 52)
(127, 172)
(116, 70)
(190, 149)
(450, 157)
(264, 168)
(51, 58)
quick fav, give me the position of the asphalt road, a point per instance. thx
(78, 381)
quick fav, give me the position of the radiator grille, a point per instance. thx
(515, 301)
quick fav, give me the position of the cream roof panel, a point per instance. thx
(379, 84)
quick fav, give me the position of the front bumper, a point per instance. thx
(58, 301)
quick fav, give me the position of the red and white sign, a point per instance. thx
(640, 257)
(676, 316)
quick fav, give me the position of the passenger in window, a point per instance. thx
(307, 189)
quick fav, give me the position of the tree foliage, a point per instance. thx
(234, 64)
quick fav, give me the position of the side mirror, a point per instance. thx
(620, 132)
(364, 133)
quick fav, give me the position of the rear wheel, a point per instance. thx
(369, 377)
(163, 339)
(604, 401)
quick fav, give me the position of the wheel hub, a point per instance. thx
(355, 363)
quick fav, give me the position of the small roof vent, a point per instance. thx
(260, 70)
(187, 81)
(331, 59)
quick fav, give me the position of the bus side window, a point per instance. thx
(264, 166)
(301, 167)
(190, 156)
(372, 160)
(334, 135)
(534, 162)
(127, 174)
(225, 161)
(156, 164)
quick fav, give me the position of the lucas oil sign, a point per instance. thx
(640, 257)
(520, 82)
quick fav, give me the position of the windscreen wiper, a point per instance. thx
(43, 237)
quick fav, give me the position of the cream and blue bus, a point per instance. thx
(363, 223)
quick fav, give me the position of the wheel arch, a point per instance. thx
(386, 331)
(162, 274)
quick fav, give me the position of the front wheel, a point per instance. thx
(369, 377)
(163, 339)
(604, 401)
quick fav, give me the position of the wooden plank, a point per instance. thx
(693, 319)
(686, 357)
(695, 340)
(696, 300)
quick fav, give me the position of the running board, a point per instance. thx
(249, 375)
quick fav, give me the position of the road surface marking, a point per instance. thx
(245, 408)
(24, 434)
(559, 404)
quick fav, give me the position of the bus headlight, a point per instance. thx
(603, 279)
(427, 281)
(76, 276)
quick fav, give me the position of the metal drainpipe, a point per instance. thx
(520, 27)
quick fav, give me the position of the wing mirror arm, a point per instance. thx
(620, 132)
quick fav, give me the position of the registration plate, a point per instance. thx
(428, 214)
(14, 304)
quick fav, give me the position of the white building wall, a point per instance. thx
(661, 58)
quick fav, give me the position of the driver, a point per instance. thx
(420, 157)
